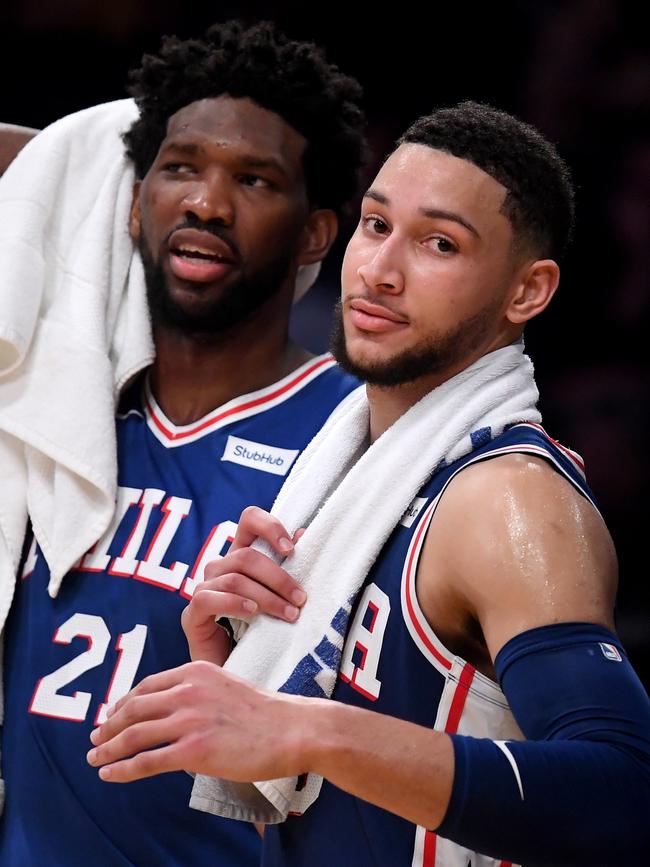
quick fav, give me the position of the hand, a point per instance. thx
(202, 719)
(241, 584)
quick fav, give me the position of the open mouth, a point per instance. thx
(201, 254)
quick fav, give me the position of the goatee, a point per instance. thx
(440, 352)
(236, 303)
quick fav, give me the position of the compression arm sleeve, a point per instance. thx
(577, 792)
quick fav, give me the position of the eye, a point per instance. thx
(443, 245)
(374, 224)
(249, 180)
(177, 168)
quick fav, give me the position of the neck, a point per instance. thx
(387, 404)
(192, 376)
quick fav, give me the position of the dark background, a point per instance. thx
(579, 70)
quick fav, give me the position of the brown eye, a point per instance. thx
(444, 246)
(375, 224)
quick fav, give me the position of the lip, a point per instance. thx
(212, 244)
(367, 316)
(196, 269)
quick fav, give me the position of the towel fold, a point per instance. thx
(350, 496)
(74, 327)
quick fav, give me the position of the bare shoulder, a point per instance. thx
(12, 140)
(516, 546)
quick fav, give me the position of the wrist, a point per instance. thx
(323, 726)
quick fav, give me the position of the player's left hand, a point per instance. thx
(202, 719)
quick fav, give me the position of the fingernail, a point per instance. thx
(110, 711)
(298, 596)
(285, 545)
(291, 612)
(94, 736)
(249, 605)
(105, 773)
(91, 756)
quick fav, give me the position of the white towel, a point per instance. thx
(350, 497)
(74, 327)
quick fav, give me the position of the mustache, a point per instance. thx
(213, 227)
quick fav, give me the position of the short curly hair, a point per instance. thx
(291, 79)
(540, 201)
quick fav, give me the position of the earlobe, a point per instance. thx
(534, 291)
(317, 236)
(135, 217)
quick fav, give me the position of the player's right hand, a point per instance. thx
(241, 584)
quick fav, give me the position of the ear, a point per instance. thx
(535, 287)
(135, 217)
(317, 236)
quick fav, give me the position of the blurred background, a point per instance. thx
(579, 70)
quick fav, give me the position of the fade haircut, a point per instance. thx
(540, 198)
(292, 79)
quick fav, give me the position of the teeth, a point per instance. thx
(202, 250)
(200, 253)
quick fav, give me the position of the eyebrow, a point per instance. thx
(431, 213)
(249, 160)
(189, 148)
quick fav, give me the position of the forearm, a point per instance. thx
(569, 803)
(399, 766)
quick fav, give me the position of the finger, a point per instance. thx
(137, 708)
(299, 534)
(143, 765)
(255, 523)
(211, 604)
(252, 576)
(210, 601)
(133, 739)
(152, 685)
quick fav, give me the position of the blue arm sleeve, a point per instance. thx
(577, 792)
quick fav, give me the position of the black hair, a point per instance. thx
(291, 79)
(540, 199)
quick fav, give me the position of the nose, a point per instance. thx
(209, 198)
(382, 271)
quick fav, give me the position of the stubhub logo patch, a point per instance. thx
(269, 459)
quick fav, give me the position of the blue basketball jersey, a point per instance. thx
(116, 620)
(393, 663)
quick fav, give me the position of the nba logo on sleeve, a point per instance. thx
(610, 651)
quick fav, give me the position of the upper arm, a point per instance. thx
(515, 546)
(12, 139)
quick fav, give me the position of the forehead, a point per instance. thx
(237, 123)
(418, 177)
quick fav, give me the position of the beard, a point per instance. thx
(441, 351)
(235, 304)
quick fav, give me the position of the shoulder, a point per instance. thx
(12, 139)
(522, 547)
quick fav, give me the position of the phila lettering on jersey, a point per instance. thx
(116, 619)
(394, 663)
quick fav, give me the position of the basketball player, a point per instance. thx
(246, 148)
(501, 572)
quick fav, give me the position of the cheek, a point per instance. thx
(353, 259)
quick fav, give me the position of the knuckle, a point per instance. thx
(230, 583)
(201, 668)
(251, 514)
(212, 570)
